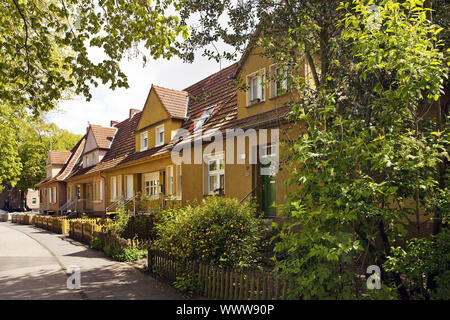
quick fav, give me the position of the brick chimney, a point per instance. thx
(133, 112)
(113, 123)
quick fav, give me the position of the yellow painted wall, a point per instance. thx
(254, 63)
(146, 166)
(153, 116)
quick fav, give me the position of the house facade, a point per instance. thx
(212, 138)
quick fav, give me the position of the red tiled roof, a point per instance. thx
(174, 101)
(74, 155)
(103, 135)
(57, 157)
(122, 146)
(218, 89)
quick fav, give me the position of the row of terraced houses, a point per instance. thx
(132, 158)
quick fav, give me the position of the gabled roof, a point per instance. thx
(57, 157)
(122, 147)
(74, 155)
(103, 135)
(174, 101)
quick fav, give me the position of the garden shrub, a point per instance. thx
(185, 284)
(425, 265)
(128, 253)
(219, 232)
(118, 224)
(96, 244)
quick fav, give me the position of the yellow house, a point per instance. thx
(211, 138)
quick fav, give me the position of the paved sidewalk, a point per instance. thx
(33, 265)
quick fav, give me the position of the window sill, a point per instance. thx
(255, 103)
(280, 95)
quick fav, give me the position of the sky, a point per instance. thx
(106, 105)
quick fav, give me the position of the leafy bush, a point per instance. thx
(118, 225)
(185, 284)
(96, 244)
(425, 265)
(108, 250)
(129, 253)
(218, 232)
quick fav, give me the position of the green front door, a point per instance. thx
(268, 195)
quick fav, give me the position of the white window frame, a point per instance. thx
(129, 193)
(144, 137)
(151, 184)
(179, 181)
(98, 191)
(216, 173)
(259, 77)
(113, 188)
(158, 132)
(170, 181)
(274, 71)
(53, 198)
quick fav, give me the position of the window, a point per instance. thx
(279, 84)
(113, 188)
(216, 175)
(206, 114)
(255, 83)
(179, 177)
(33, 201)
(98, 191)
(159, 136)
(129, 186)
(78, 192)
(151, 184)
(53, 195)
(93, 158)
(144, 141)
(170, 180)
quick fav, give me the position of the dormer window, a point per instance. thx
(144, 141)
(255, 83)
(159, 136)
(205, 116)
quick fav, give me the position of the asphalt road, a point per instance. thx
(34, 264)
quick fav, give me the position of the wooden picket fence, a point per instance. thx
(84, 231)
(217, 283)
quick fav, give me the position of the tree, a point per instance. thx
(370, 161)
(35, 139)
(45, 45)
(45, 53)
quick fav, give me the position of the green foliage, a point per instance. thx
(369, 158)
(118, 224)
(423, 262)
(10, 165)
(45, 46)
(128, 253)
(25, 142)
(185, 284)
(219, 232)
(96, 244)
